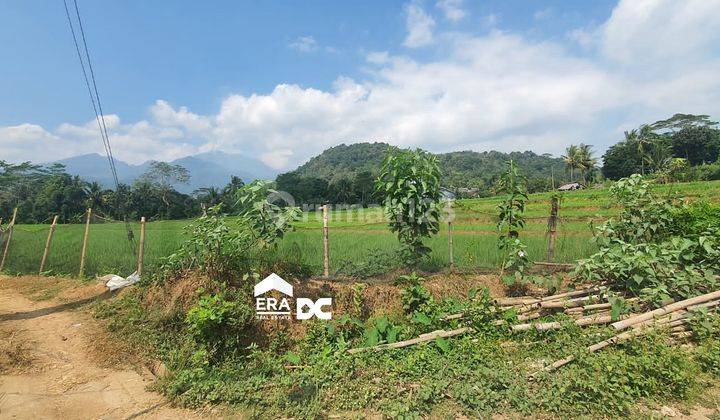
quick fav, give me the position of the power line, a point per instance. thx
(97, 109)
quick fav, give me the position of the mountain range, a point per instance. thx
(209, 169)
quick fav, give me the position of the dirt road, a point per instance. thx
(47, 371)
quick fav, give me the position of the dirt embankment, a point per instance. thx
(49, 363)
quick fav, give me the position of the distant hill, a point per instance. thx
(460, 169)
(210, 169)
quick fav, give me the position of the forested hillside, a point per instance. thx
(343, 171)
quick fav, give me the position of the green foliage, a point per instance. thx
(216, 245)
(465, 169)
(657, 248)
(410, 182)
(510, 221)
(258, 208)
(220, 317)
(644, 217)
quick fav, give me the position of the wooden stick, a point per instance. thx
(621, 325)
(326, 243)
(85, 242)
(552, 228)
(421, 339)
(141, 247)
(11, 228)
(450, 245)
(47, 244)
(573, 293)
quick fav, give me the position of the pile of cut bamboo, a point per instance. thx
(673, 317)
(589, 306)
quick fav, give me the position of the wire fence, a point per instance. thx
(474, 245)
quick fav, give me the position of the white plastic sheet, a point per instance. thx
(115, 282)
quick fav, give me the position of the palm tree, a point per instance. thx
(209, 196)
(586, 160)
(572, 160)
(644, 137)
(94, 195)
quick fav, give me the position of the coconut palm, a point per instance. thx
(572, 160)
(587, 161)
(94, 195)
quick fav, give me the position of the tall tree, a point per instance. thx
(586, 160)
(163, 176)
(572, 160)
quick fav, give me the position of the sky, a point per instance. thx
(283, 80)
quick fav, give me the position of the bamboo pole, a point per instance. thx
(11, 228)
(450, 244)
(673, 307)
(421, 339)
(326, 243)
(47, 244)
(85, 241)
(552, 228)
(141, 247)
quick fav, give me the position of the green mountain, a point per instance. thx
(465, 169)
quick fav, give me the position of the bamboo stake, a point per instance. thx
(421, 339)
(85, 241)
(141, 247)
(47, 244)
(11, 228)
(450, 244)
(326, 243)
(545, 326)
(673, 307)
(552, 228)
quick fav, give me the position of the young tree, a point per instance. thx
(510, 220)
(410, 182)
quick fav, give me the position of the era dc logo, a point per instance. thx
(274, 308)
(313, 308)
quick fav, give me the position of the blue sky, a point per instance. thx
(282, 80)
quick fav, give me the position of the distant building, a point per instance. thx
(447, 194)
(570, 187)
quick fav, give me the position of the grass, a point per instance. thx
(354, 234)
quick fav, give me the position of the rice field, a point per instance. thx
(354, 234)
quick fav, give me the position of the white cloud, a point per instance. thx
(497, 91)
(650, 31)
(304, 44)
(452, 9)
(419, 26)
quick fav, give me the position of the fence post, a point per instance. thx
(326, 243)
(552, 228)
(141, 247)
(47, 244)
(11, 227)
(450, 244)
(85, 240)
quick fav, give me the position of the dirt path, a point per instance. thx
(49, 373)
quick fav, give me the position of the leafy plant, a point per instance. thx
(510, 221)
(258, 209)
(409, 181)
(219, 316)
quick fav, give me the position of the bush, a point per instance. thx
(222, 316)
